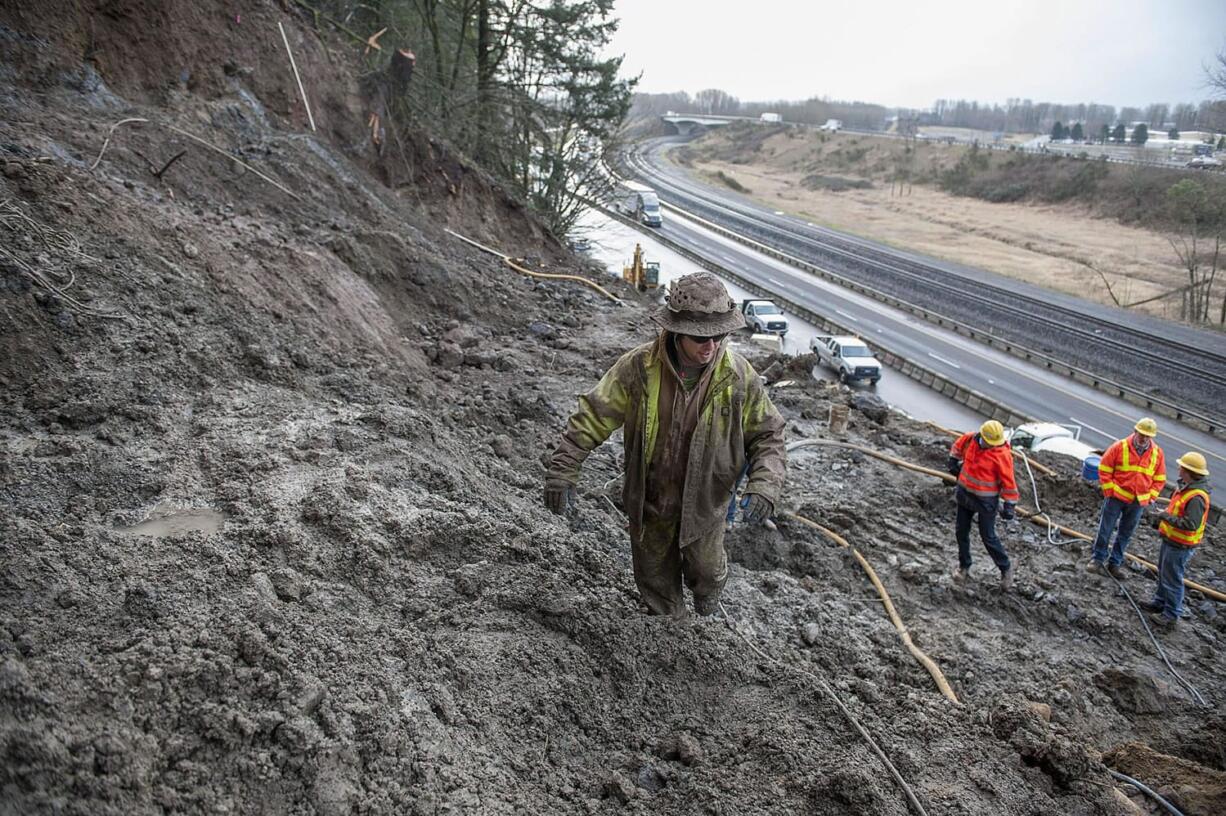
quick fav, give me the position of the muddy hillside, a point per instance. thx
(270, 517)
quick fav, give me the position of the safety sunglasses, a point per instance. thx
(700, 339)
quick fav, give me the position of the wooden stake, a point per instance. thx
(293, 65)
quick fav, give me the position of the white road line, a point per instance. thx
(852, 318)
(1099, 431)
(772, 280)
(943, 360)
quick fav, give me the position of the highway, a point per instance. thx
(1124, 346)
(1027, 388)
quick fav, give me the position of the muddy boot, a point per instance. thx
(1006, 580)
(1152, 606)
(1118, 572)
(960, 575)
(706, 606)
(1095, 568)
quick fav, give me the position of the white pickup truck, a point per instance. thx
(847, 355)
(764, 317)
(1033, 437)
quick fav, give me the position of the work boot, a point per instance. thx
(960, 575)
(707, 605)
(1118, 572)
(1095, 567)
(1163, 623)
(1006, 580)
(1152, 606)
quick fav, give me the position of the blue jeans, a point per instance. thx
(970, 506)
(1172, 563)
(1127, 516)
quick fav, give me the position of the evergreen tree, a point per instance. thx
(1140, 134)
(1104, 134)
(1221, 143)
(1077, 134)
(1057, 132)
(1173, 134)
(1117, 135)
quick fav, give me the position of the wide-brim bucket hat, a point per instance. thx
(699, 305)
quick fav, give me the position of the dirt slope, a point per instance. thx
(333, 414)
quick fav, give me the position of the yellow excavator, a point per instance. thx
(643, 275)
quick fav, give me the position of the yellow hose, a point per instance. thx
(549, 275)
(1035, 518)
(924, 660)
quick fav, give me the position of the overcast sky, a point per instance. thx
(912, 52)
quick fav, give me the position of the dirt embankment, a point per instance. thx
(349, 599)
(847, 181)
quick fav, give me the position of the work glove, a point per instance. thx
(756, 508)
(1154, 519)
(559, 496)
(1006, 511)
(954, 466)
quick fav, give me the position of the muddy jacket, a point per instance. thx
(736, 422)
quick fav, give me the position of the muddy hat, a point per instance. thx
(698, 304)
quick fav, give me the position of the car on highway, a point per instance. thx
(847, 355)
(764, 317)
(1204, 163)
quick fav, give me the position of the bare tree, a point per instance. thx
(1198, 219)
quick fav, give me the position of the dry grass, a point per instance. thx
(1057, 246)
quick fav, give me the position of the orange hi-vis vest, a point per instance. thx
(1187, 538)
(1129, 477)
(986, 472)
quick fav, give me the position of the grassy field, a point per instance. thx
(846, 181)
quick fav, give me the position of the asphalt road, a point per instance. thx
(1026, 388)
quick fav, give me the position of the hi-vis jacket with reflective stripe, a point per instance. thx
(987, 472)
(736, 422)
(1129, 476)
(1184, 521)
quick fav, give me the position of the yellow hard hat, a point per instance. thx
(992, 432)
(1194, 462)
(1146, 426)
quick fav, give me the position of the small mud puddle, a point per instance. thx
(167, 521)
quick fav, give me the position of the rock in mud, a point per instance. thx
(618, 787)
(871, 405)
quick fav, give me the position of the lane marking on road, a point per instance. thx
(852, 318)
(943, 360)
(1098, 431)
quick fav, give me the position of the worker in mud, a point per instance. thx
(983, 463)
(1131, 475)
(1181, 527)
(695, 414)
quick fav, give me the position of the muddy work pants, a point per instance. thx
(660, 565)
(985, 508)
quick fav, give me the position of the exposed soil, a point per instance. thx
(1059, 246)
(273, 543)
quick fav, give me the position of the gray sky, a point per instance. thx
(912, 52)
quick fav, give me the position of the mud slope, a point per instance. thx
(272, 542)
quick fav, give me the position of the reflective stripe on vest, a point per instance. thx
(1148, 465)
(1188, 538)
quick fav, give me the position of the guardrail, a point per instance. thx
(977, 401)
(1149, 403)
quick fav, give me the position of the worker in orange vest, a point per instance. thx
(1182, 527)
(983, 464)
(1131, 474)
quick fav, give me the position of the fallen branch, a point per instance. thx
(157, 174)
(194, 138)
(298, 78)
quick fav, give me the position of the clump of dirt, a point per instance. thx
(273, 539)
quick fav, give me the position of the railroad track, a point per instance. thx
(1166, 367)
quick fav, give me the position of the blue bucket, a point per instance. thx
(1089, 468)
